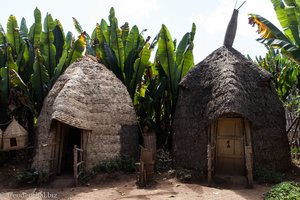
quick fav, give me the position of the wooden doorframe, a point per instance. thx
(60, 143)
(211, 149)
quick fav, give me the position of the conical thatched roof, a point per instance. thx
(84, 93)
(14, 129)
(227, 83)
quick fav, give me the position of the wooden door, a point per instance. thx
(230, 147)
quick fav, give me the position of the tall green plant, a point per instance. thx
(283, 71)
(157, 95)
(287, 40)
(31, 61)
(122, 50)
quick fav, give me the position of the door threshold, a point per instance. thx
(228, 179)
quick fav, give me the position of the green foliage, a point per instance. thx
(39, 80)
(31, 62)
(295, 150)
(157, 96)
(288, 40)
(284, 73)
(284, 190)
(263, 175)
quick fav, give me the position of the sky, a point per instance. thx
(211, 18)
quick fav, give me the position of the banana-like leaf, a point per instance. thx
(265, 26)
(3, 45)
(116, 43)
(99, 45)
(25, 97)
(16, 81)
(175, 44)
(131, 53)
(39, 80)
(186, 63)
(36, 29)
(48, 49)
(59, 40)
(182, 47)
(154, 42)
(124, 33)
(10, 60)
(61, 66)
(139, 68)
(193, 32)
(93, 36)
(132, 41)
(106, 30)
(77, 26)
(5, 80)
(166, 57)
(13, 35)
(288, 16)
(69, 40)
(112, 62)
(4, 88)
(184, 54)
(23, 28)
(77, 50)
(3, 38)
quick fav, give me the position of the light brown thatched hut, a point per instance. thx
(88, 107)
(14, 137)
(229, 118)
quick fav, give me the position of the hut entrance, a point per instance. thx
(229, 149)
(230, 157)
(66, 138)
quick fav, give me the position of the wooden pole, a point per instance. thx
(209, 165)
(75, 164)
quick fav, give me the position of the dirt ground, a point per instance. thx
(122, 186)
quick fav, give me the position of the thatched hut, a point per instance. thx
(88, 107)
(14, 137)
(229, 118)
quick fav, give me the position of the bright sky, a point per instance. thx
(211, 18)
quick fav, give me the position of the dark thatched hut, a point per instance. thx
(88, 106)
(229, 118)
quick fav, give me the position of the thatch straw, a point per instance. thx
(14, 129)
(227, 83)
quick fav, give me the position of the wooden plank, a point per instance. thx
(209, 164)
(75, 164)
(81, 162)
(229, 146)
(248, 153)
(61, 138)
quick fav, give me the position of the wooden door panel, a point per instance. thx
(230, 146)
